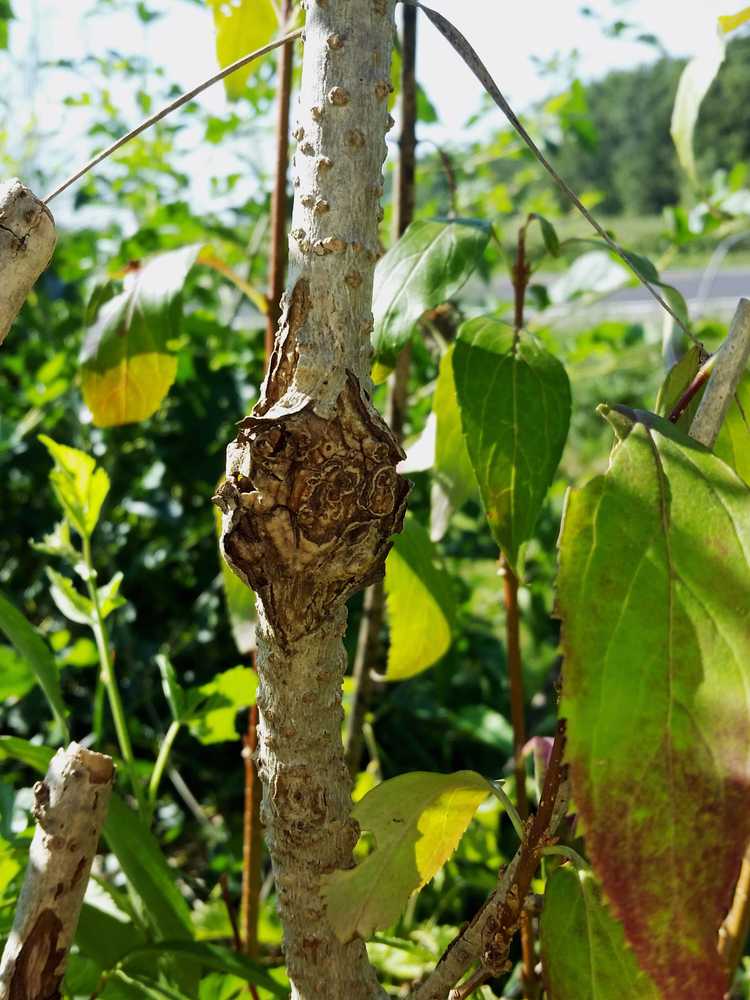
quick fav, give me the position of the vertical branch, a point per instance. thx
(279, 198)
(252, 836)
(373, 610)
(520, 277)
(70, 807)
(312, 497)
(252, 830)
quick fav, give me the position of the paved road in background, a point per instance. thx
(719, 295)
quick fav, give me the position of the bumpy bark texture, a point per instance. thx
(70, 809)
(311, 497)
(27, 239)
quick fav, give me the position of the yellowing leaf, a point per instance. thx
(127, 366)
(417, 821)
(241, 27)
(420, 604)
(730, 22)
(130, 392)
(454, 480)
(79, 486)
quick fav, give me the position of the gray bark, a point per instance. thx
(70, 809)
(27, 240)
(312, 497)
(729, 367)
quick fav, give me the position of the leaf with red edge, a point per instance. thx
(584, 952)
(654, 596)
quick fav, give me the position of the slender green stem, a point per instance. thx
(161, 762)
(513, 815)
(109, 678)
(567, 852)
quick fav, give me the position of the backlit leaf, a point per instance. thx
(127, 366)
(696, 78)
(109, 596)
(16, 676)
(584, 953)
(417, 821)
(430, 263)
(242, 26)
(223, 697)
(654, 596)
(515, 411)
(35, 651)
(70, 602)
(80, 487)
(421, 608)
(453, 481)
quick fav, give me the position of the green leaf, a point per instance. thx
(421, 607)
(429, 264)
(515, 410)
(584, 952)
(151, 879)
(58, 543)
(103, 936)
(127, 366)
(213, 720)
(677, 381)
(16, 676)
(694, 83)
(733, 442)
(31, 754)
(30, 645)
(654, 596)
(121, 986)
(241, 27)
(173, 691)
(69, 601)
(674, 298)
(213, 957)
(453, 481)
(79, 486)
(109, 596)
(417, 821)
(549, 234)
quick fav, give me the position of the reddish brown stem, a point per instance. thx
(279, 198)
(251, 839)
(231, 913)
(520, 275)
(701, 378)
(487, 937)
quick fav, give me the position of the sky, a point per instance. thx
(511, 36)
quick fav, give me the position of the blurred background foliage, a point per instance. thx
(610, 139)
